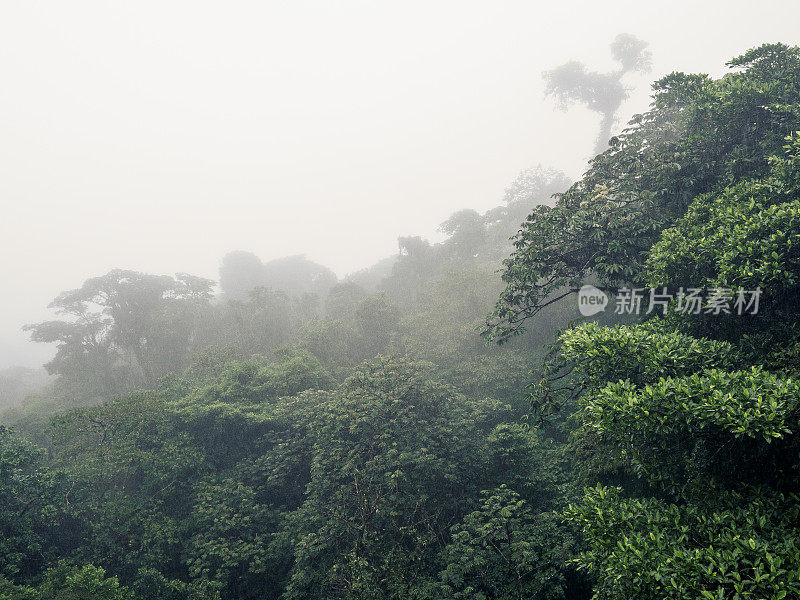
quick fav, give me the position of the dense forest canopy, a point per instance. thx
(291, 435)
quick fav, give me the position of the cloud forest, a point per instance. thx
(448, 423)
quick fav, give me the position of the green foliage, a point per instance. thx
(232, 489)
(527, 463)
(504, 550)
(394, 453)
(26, 493)
(245, 391)
(370, 327)
(590, 355)
(17, 383)
(64, 582)
(698, 135)
(745, 236)
(210, 363)
(150, 583)
(9, 591)
(741, 547)
(131, 472)
(687, 430)
(695, 415)
(687, 416)
(500, 376)
(640, 353)
(231, 540)
(116, 335)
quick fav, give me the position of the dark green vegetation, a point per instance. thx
(302, 438)
(683, 427)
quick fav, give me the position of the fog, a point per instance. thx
(159, 136)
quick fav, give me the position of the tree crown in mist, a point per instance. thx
(604, 93)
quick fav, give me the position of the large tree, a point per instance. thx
(603, 93)
(125, 328)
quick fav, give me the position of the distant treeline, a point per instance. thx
(127, 330)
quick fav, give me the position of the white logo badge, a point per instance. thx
(591, 300)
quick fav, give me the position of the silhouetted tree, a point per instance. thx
(604, 93)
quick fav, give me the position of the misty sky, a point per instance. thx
(158, 136)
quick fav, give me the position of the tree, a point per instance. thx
(27, 491)
(505, 551)
(125, 328)
(396, 455)
(698, 134)
(370, 327)
(342, 299)
(242, 272)
(64, 582)
(704, 428)
(603, 93)
(239, 273)
(467, 234)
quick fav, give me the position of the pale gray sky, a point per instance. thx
(158, 136)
